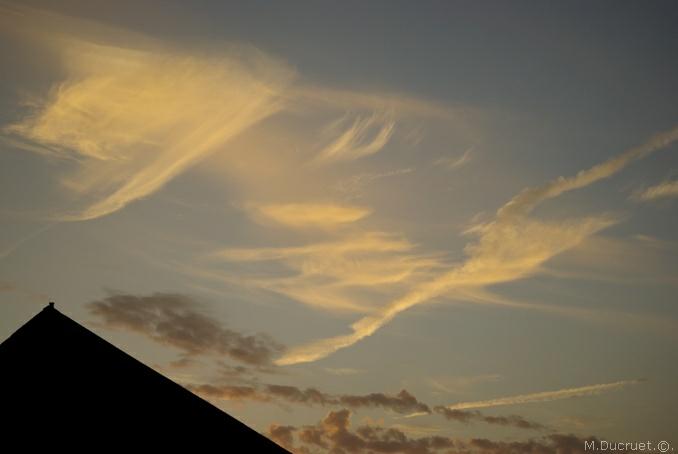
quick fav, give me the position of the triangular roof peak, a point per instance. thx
(77, 391)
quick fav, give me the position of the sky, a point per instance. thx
(417, 227)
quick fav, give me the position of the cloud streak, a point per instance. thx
(344, 274)
(529, 198)
(363, 137)
(354, 187)
(309, 215)
(9, 250)
(469, 416)
(547, 396)
(451, 163)
(665, 190)
(504, 252)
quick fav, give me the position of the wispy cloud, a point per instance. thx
(364, 136)
(529, 198)
(618, 318)
(505, 252)
(393, 103)
(511, 247)
(664, 190)
(547, 396)
(7, 251)
(132, 113)
(362, 243)
(354, 187)
(455, 384)
(309, 215)
(346, 273)
(180, 107)
(636, 259)
(454, 162)
(177, 110)
(341, 371)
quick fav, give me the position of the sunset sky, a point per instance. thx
(446, 226)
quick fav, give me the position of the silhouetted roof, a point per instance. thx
(62, 385)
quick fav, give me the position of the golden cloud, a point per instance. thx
(352, 272)
(135, 119)
(304, 215)
(511, 247)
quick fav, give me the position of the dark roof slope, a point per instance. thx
(62, 385)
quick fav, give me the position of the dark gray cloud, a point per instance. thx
(228, 392)
(308, 396)
(333, 434)
(403, 402)
(172, 319)
(466, 416)
(550, 444)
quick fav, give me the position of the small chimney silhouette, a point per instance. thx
(51, 304)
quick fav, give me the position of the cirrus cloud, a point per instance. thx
(664, 190)
(305, 215)
(512, 246)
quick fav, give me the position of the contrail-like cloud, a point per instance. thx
(663, 190)
(18, 243)
(451, 163)
(529, 198)
(505, 252)
(511, 247)
(547, 396)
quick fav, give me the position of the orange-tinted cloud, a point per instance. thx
(664, 190)
(512, 246)
(334, 434)
(309, 215)
(133, 119)
(363, 137)
(339, 274)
